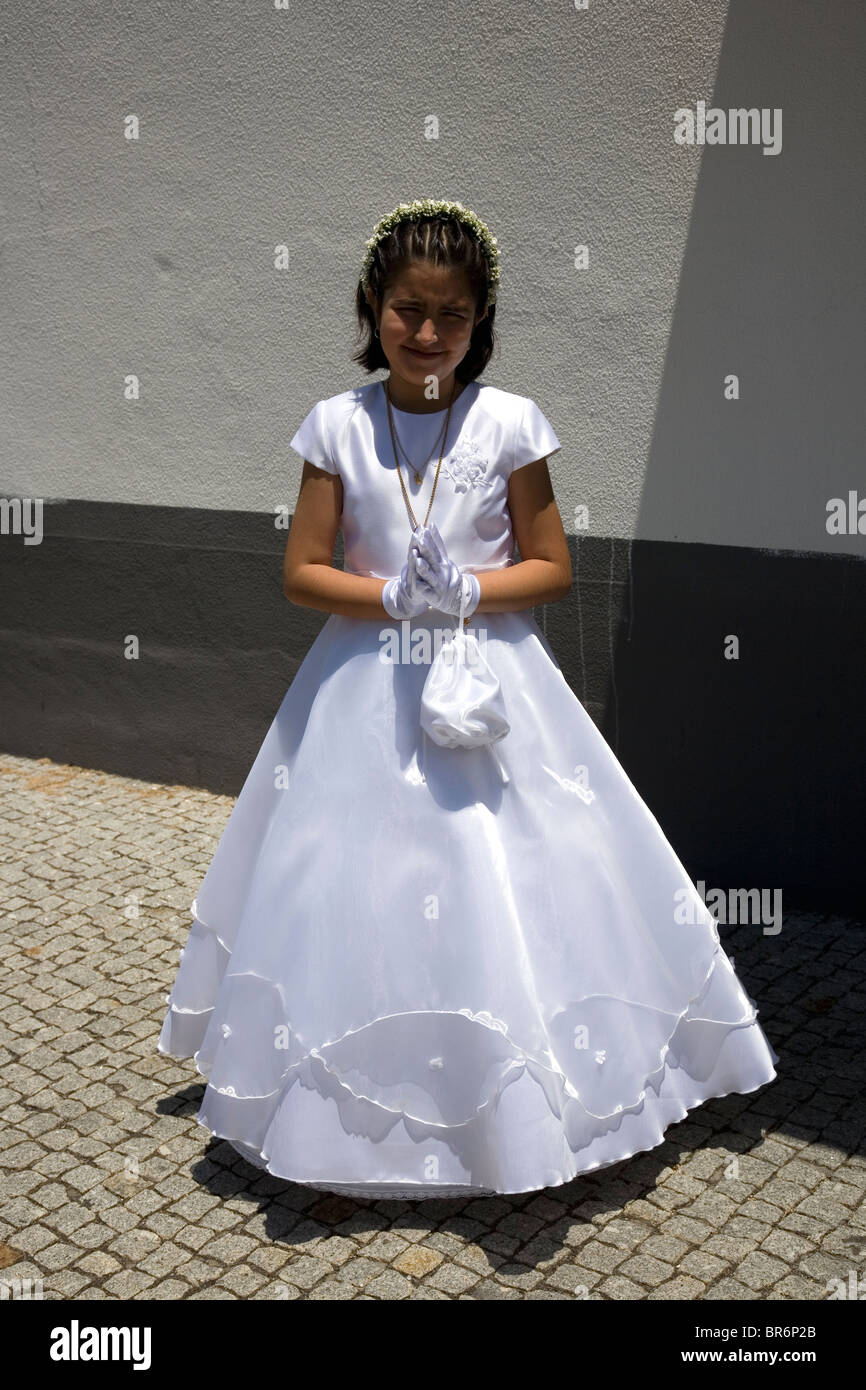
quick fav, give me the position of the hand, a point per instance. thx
(406, 596)
(444, 582)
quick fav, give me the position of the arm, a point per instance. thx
(309, 577)
(544, 572)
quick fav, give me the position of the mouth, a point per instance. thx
(427, 355)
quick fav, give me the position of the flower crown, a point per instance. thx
(426, 207)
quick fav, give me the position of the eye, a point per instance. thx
(415, 309)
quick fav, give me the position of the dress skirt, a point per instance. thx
(416, 971)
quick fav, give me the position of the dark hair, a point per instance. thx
(443, 241)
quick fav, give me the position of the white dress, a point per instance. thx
(417, 971)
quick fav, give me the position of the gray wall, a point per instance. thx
(262, 127)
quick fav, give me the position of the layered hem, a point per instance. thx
(370, 1114)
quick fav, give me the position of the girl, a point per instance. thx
(443, 947)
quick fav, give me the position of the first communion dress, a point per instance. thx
(421, 971)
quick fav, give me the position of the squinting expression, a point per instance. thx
(427, 321)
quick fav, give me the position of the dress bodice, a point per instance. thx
(491, 433)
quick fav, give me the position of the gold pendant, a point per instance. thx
(418, 478)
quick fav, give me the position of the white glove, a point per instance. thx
(441, 578)
(405, 596)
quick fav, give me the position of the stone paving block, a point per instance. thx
(390, 1285)
(540, 1253)
(271, 1258)
(98, 1262)
(682, 1287)
(604, 1259)
(750, 1197)
(848, 1243)
(34, 1239)
(58, 1256)
(644, 1269)
(242, 1280)
(119, 1219)
(451, 1278)
(711, 1206)
(134, 1245)
(170, 1290)
(51, 1196)
(624, 1232)
(703, 1266)
(517, 1276)
(729, 1288)
(574, 1279)
(665, 1247)
(416, 1261)
(386, 1246)
(21, 1212)
(198, 1273)
(193, 1206)
(786, 1245)
(229, 1249)
(498, 1244)
(487, 1290)
(306, 1270)
(451, 1245)
(332, 1290)
(24, 1155)
(810, 1226)
(165, 1259)
(94, 1236)
(358, 1270)
(796, 1288)
(760, 1270)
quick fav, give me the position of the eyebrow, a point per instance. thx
(447, 304)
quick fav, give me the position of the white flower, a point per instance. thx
(466, 466)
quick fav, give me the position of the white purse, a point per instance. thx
(461, 703)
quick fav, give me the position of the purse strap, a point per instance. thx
(462, 623)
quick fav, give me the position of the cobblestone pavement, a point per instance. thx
(112, 1191)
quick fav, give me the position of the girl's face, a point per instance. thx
(427, 321)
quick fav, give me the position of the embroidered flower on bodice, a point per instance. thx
(466, 466)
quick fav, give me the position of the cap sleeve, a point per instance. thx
(312, 441)
(534, 438)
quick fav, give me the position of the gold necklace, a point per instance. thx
(412, 515)
(418, 478)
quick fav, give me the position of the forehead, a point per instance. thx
(438, 282)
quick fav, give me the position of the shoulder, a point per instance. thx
(504, 405)
(330, 418)
(340, 408)
(526, 430)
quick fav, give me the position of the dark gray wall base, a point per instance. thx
(755, 769)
